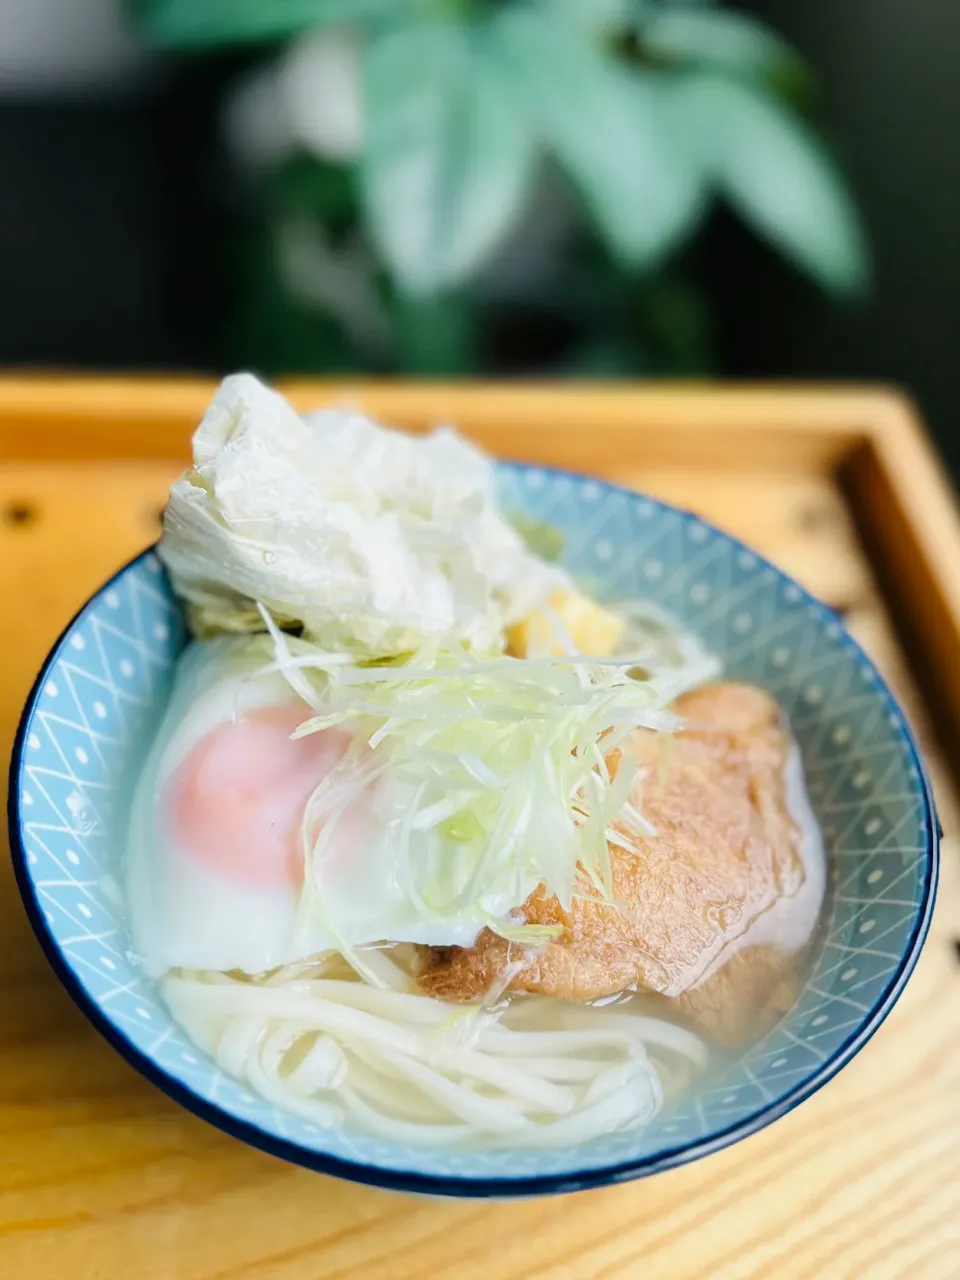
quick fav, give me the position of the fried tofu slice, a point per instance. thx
(690, 900)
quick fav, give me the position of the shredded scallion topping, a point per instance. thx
(489, 776)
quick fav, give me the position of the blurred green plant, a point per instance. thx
(444, 185)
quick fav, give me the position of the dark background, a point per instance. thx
(112, 204)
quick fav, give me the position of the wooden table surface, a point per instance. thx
(103, 1176)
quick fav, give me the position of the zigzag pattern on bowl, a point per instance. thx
(103, 692)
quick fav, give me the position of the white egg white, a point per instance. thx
(184, 914)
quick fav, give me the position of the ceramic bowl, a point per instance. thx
(100, 695)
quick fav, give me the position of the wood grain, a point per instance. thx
(102, 1176)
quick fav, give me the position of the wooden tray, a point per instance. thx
(103, 1176)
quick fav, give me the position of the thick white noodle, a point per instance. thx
(411, 1068)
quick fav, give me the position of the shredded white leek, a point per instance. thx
(488, 777)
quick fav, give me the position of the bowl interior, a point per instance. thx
(89, 723)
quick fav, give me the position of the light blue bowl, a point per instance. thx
(100, 695)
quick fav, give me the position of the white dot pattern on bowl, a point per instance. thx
(106, 696)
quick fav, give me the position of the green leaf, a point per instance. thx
(271, 331)
(437, 337)
(719, 39)
(778, 175)
(592, 16)
(195, 23)
(612, 131)
(447, 163)
(304, 186)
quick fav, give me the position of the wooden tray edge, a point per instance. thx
(906, 512)
(767, 426)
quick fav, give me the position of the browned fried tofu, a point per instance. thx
(690, 901)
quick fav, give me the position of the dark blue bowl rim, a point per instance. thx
(410, 1181)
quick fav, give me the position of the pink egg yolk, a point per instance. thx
(236, 802)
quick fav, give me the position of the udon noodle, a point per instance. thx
(405, 1067)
